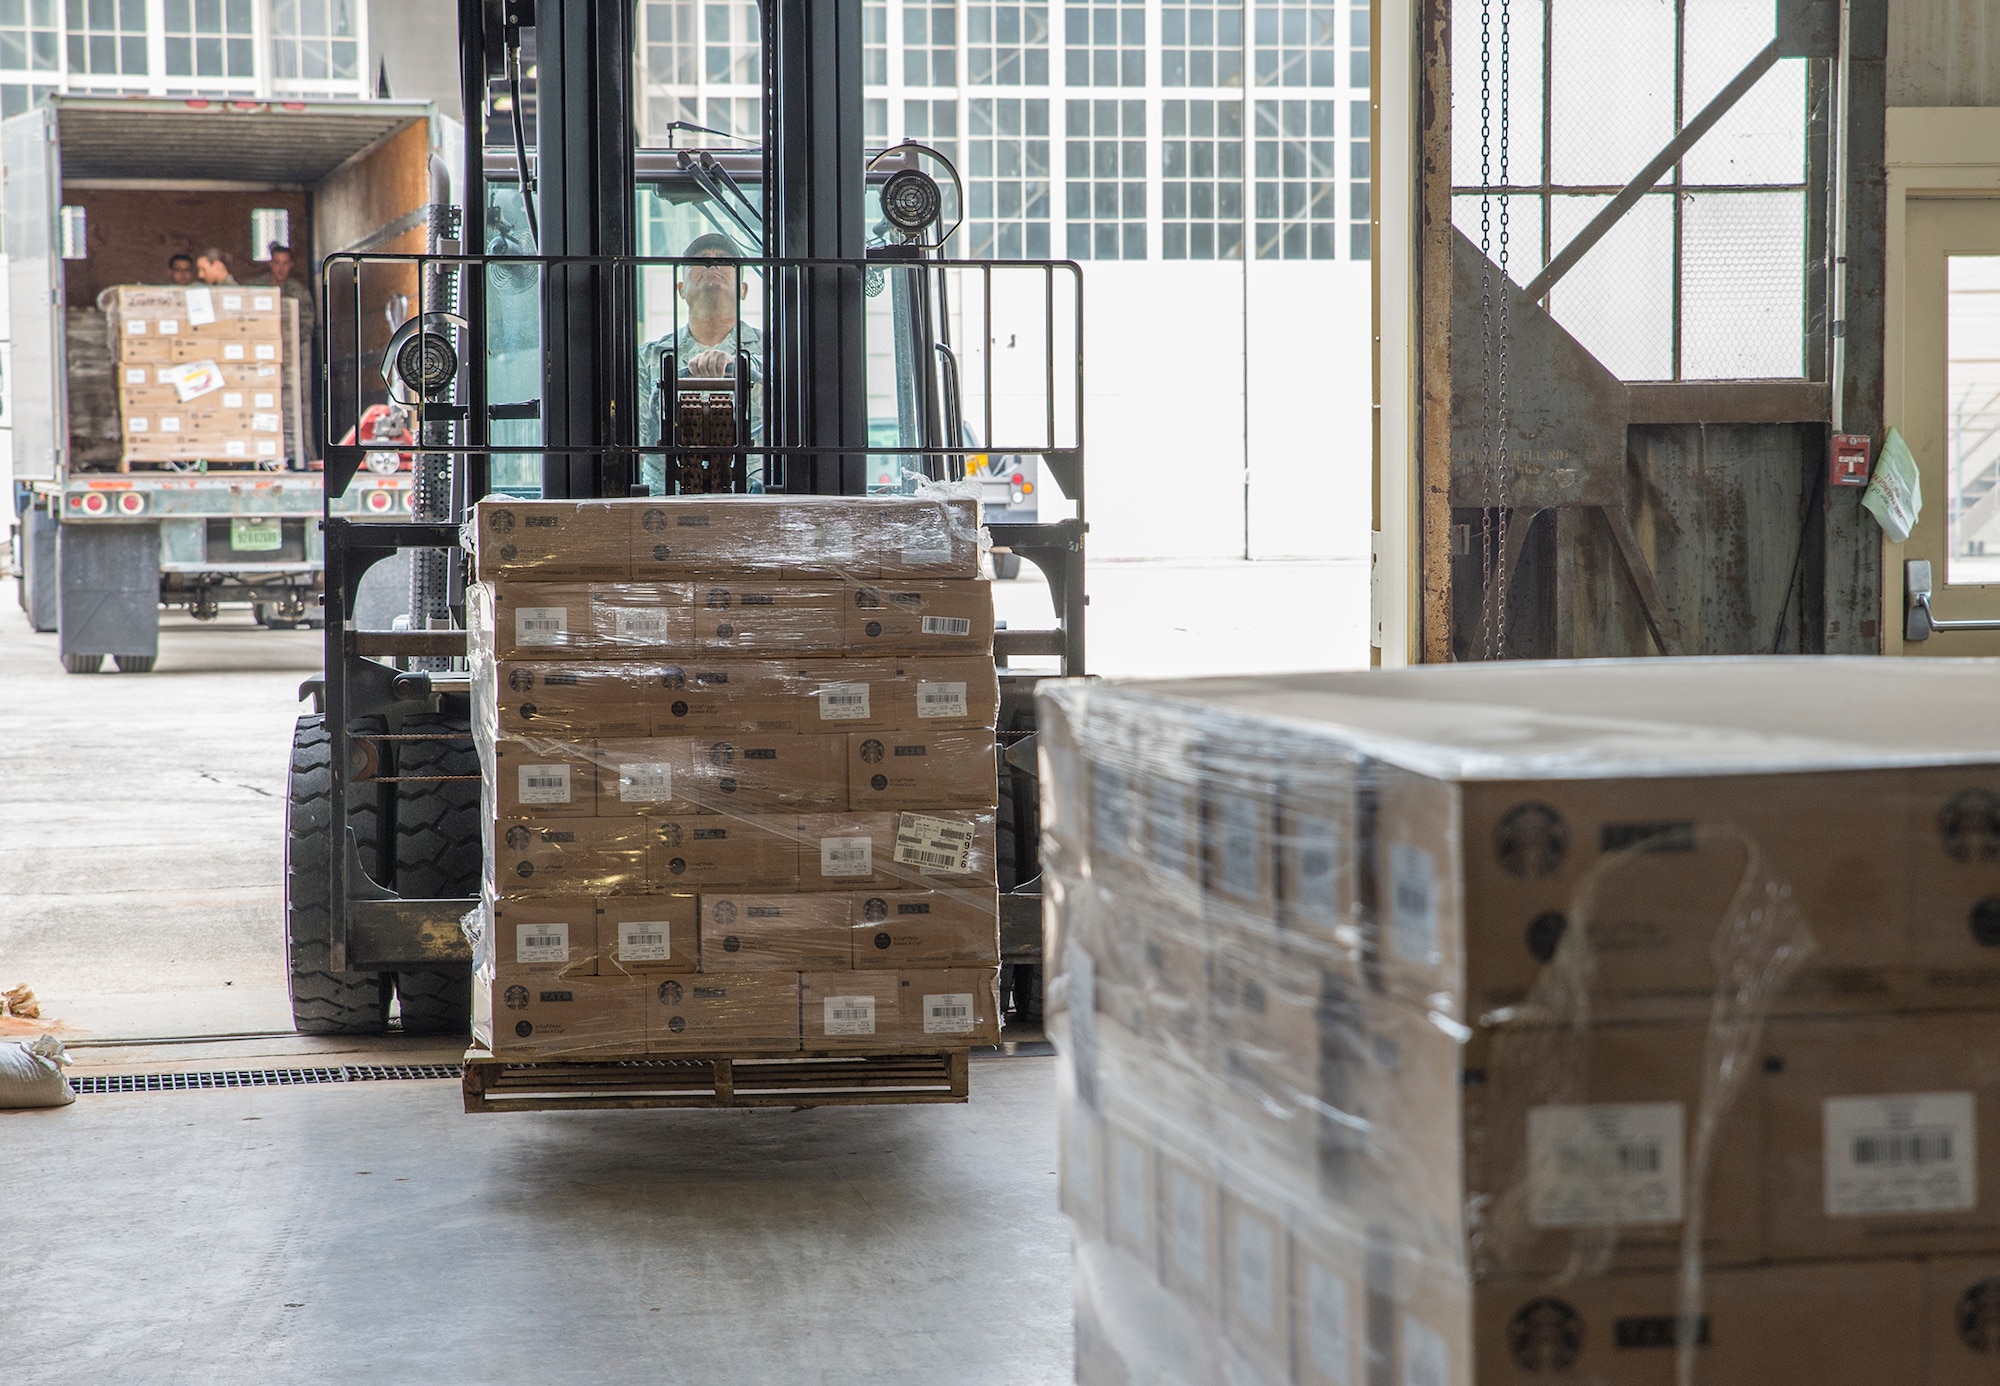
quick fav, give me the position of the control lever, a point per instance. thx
(1918, 622)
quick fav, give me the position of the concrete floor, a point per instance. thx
(374, 1233)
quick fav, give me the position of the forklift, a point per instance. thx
(520, 341)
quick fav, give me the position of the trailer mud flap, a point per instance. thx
(109, 589)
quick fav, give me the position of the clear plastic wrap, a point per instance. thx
(738, 811)
(1468, 1025)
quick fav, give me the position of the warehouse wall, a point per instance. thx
(1944, 53)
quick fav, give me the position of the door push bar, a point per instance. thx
(1918, 622)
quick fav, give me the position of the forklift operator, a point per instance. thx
(708, 342)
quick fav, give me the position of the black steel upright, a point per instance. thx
(815, 186)
(584, 152)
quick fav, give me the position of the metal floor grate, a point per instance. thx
(262, 1078)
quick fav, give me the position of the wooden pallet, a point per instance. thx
(777, 1080)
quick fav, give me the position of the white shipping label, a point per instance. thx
(846, 856)
(1329, 1340)
(264, 399)
(196, 379)
(541, 625)
(643, 940)
(1242, 846)
(948, 1013)
(236, 447)
(936, 844)
(947, 625)
(232, 303)
(231, 399)
(937, 700)
(1413, 905)
(1914, 1152)
(1318, 844)
(938, 555)
(1605, 1164)
(201, 307)
(843, 702)
(645, 782)
(170, 327)
(266, 448)
(263, 303)
(136, 375)
(135, 327)
(136, 424)
(267, 351)
(170, 423)
(541, 943)
(639, 625)
(850, 1015)
(1426, 1359)
(544, 784)
(1187, 1225)
(232, 351)
(265, 423)
(1129, 1204)
(1253, 1272)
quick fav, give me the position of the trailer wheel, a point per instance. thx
(1006, 566)
(438, 856)
(83, 664)
(325, 1002)
(135, 664)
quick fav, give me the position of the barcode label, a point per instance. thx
(639, 625)
(232, 351)
(231, 399)
(544, 784)
(170, 327)
(1413, 911)
(846, 856)
(263, 303)
(844, 702)
(947, 625)
(1318, 846)
(937, 700)
(948, 1013)
(645, 782)
(541, 943)
(265, 423)
(643, 940)
(264, 399)
(1901, 1153)
(201, 307)
(937, 556)
(541, 625)
(936, 844)
(1605, 1164)
(850, 1015)
(267, 351)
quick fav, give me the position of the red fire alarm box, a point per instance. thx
(1849, 466)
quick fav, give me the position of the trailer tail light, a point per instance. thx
(131, 503)
(94, 503)
(379, 500)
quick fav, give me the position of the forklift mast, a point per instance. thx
(383, 841)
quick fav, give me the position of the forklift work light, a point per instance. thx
(911, 201)
(421, 362)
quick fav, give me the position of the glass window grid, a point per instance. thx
(1007, 177)
(1104, 183)
(930, 43)
(1358, 44)
(875, 43)
(1104, 44)
(732, 42)
(1201, 180)
(1201, 43)
(1296, 165)
(875, 122)
(30, 40)
(315, 43)
(740, 117)
(107, 38)
(211, 39)
(1006, 44)
(1295, 42)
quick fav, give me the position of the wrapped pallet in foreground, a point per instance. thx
(739, 777)
(1584, 1023)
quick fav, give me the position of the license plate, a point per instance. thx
(256, 536)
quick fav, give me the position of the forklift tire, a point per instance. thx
(325, 1002)
(83, 664)
(438, 857)
(135, 664)
(1006, 566)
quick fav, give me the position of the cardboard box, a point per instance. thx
(950, 1007)
(919, 617)
(935, 694)
(1835, 1324)
(850, 1010)
(1581, 1144)
(726, 852)
(1318, 865)
(754, 773)
(1131, 1182)
(558, 933)
(641, 935)
(923, 769)
(574, 700)
(547, 1013)
(552, 540)
(1961, 1320)
(646, 779)
(688, 536)
(847, 851)
(1951, 892)
(926, 928)
(803, 696)
(544, 779)
(804, 933)
(926, 537)
(788, 618)
(1882, 1136)
(729, 1013)
(1240, 849)
(568, 856)
(1330, 1311)
(642, 618)
(542, 620)
(1257, 1294)
(1190, 1222)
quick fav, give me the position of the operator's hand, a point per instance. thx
(710, 363)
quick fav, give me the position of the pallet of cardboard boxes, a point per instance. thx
(1521, 1024)
(739, 793)
(205, 374)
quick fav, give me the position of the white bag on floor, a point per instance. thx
(31, 1074)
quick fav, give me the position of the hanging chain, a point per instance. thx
(1501, 577)
(1487, 417)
